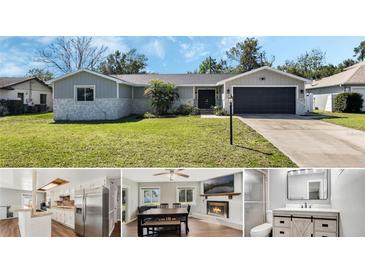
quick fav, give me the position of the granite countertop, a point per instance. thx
(65, 207)
(33, 214)
(313, 209)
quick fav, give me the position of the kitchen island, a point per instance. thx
(34, 224)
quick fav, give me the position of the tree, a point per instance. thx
(162, 95)
(307, 65)
(346, 63)
(210, 65)
(249, 55)
(360, 51)
(70, 54)
(40, 73)
(124, 63)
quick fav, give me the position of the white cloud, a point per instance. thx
(193, 51)
(229, 41)
(112, 42)
(156, 48)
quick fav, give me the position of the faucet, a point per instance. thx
(305, 205)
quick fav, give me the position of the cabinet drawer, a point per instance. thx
(325, 234)
(282, 221)
(281, 232)
(325, 226)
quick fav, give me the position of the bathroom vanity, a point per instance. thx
(305, 222)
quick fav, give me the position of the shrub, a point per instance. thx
(219, 111)
(149, 115)
(11, 107)
(186, 109)
(162, 95)
(350, 102)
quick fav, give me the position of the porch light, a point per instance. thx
(228, 91)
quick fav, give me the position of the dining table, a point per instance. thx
(163, 213)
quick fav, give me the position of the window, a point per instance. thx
(185, 195)
(21, 96)
(43, 99)
(85, 93)
(150, 196)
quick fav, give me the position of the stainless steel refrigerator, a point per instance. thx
(92, 209)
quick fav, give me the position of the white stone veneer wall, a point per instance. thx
(100, 109)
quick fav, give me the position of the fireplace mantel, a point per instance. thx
(228, 194)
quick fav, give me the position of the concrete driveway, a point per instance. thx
(309, 142)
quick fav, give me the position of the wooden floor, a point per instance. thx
(9, 228)
(198, 228)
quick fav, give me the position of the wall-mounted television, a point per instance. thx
(224, 184)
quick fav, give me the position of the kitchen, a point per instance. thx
(68, 202)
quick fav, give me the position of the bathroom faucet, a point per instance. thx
(305, 205)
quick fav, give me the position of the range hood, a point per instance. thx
(52, 184)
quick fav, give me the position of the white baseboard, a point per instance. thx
(217, 220)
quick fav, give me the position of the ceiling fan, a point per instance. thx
(172, 173)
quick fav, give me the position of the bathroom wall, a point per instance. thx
(277, 188)
(349, 198)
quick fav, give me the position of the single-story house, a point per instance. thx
(89, 95)
(352, 79)
(30, 90)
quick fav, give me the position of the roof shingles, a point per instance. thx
(176, 79)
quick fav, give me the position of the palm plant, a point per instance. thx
(162, 95)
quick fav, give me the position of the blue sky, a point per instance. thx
(178, 54)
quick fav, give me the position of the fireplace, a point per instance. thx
(218, 208)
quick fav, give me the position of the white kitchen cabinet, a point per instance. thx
(65, 216)
(305, 222)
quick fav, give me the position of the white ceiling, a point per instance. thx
(195, 175)
(21, 179)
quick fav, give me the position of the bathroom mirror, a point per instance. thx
(307, 184)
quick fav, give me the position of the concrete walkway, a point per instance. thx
(309, 142)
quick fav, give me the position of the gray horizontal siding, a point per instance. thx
(326, 90)
(125, 91)
(104, 88)
(139, 92)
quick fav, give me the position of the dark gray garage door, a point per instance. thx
(260, 100)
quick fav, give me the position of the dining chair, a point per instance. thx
(164, 205)
(176, 205)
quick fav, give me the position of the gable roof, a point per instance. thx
(91, 72)
(354, 75)
(8, 82)
(266, 68)
(189, 79)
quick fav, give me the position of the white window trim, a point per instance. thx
(268, 86)
(141, 202)
(84, 86)
(186, 187)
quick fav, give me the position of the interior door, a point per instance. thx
(301, 227)
(206, 98)
(94, 213)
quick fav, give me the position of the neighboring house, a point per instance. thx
(30, 90)
(88, 95)
(352, 79)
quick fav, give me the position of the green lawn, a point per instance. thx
(352, 120)
(36, 141)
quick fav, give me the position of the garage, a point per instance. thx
(264, 100)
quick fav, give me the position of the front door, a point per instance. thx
(206, 98)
